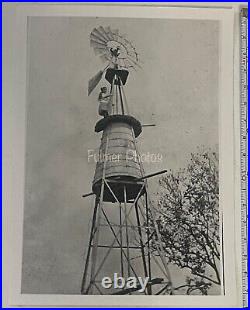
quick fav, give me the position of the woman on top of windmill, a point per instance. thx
(104, 102)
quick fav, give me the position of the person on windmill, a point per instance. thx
(104, 102)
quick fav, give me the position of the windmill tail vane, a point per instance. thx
(94, 81)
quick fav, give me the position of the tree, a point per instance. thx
(188, 208)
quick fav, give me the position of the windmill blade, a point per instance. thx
(109, 33)
(99, 34)
(136, 55)
(98, 45)
(97, 40)
(105, 57)
(125, 40)
(99, 50)
(93, 82)
(115, 35)
(103, 32)
(97, 37)
(104, 52)
(128, 63)
(133, 62)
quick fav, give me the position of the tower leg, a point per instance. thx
(92, 233)
(99, 202)
(148, 241)
(126, 228)
(121, 238)
(149, 291)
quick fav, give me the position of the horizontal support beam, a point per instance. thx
(118, 247)
(89, 194)
(136, 181)
(151, 175)
(148, 125)
(129, 226)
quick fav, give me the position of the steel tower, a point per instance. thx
(124, 237)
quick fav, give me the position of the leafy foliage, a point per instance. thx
(188, 205)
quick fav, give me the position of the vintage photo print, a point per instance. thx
(124, 177)
(110, 102)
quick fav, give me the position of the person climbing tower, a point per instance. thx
(104, 102)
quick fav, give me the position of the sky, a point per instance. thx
(178, 84)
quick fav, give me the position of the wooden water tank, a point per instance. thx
(118, 157)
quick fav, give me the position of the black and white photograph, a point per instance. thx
(127, 111)
(124, 179)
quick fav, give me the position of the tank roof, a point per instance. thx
(118, 118)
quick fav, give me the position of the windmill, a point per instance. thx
(124, 237)
(114, 50)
